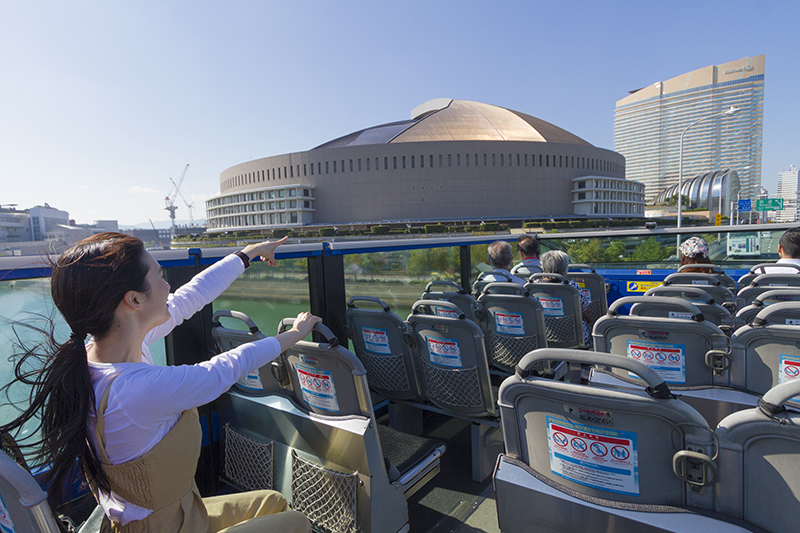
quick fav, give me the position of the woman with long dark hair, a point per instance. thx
(131, 425)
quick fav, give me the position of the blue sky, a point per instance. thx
(102, 102)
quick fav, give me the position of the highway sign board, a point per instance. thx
(744, 205)
(769, 204)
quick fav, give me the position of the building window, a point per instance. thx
(466, 159)
(319, 168)
(394, 162)
(440, 160)
(501, 159)
(351, 165)
(327, 168)
(359, 165)
(484, 160)
(385, 163)
(292, 192)
(422, 161)
(412, 161)
(431, 161)
(368, 160)
(306, 192)
(334, 167)
(306, 204)
(404, 161)
(292, 204)
(304, 170)
(281, 193)
(449, 160)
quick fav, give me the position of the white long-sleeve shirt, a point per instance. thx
(145, 401)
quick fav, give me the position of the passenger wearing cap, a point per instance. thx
(694, 251)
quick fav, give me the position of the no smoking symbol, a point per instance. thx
(599, 449)
(673, 357)
(791, 371)
(560, 439)
(579, 445)
(620, 453)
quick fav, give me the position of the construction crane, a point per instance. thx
(190, 206)
(170, 200)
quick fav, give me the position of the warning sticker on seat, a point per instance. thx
(445, 312)
(509, 323)
(444, 352)
(793, 322)
(252, 381)
(318, 389)
(667, 360)
(789, 370)
(599, 458)
(584, 291)
(641, 286)
(376, 340)
(552, 305)
(680, 314)
(6, 525)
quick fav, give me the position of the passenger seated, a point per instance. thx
(789, 251)
(557, 262)
(500, 259)
(528, 250)
(695, 251)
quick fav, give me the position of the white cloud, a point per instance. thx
(143, 190)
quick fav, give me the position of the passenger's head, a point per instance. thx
(90, 279)
(500, 255)
(555, 262)
(694, 250)
(789, 245)
(528, 246)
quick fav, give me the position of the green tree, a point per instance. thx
(650, 251)
(587, 252)
(615, 252)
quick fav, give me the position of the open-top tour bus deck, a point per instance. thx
(421, 407)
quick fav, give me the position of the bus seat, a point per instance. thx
(514, 326)
(561, 305)
(761, 268)
(260, 381)
(451, 355)
(456, 294)
(725, 280)
(23, 503)
(593, 285)
(767, 352)
(525, 271)
(377, 336)
(329, 453)
(701, 299)
(481, 282)
(709, 283)
(619, 460)
(759, 457)
(764, 283)
(746, 314)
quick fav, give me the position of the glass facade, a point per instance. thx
(648, 125)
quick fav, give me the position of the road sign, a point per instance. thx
(718, 220)
(769, 204)
(745, 205)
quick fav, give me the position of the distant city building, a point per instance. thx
(46, 219)
(15, 226)
(648, 125)
(453, 160)
(788, 185)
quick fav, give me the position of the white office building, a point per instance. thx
(788, 185)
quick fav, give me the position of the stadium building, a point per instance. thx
(649, 122)
(453, 160)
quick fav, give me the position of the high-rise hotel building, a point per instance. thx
(789, 191)
(648, 125)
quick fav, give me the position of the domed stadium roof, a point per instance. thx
(443, 119)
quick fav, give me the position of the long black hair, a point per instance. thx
(88, 282)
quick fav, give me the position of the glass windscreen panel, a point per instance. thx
(267, 294)
(399, 277)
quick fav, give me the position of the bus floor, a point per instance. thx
(451, 501)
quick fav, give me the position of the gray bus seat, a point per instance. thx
(761, 268)
(457, 295)
(701, 299)
(481, 282)
(745, 315)
(377, 336)
(261, 381)
(725, 280)
(451, 355)
(759, 457)
(686, 353)
(23, 503)
(709, 283)
(582, 458)
(764, 283)
(525, 271)
(514, 326)
(767, 352)
(561, 305)
(593, 285)
(322, 444)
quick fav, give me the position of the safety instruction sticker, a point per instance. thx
(252, 381)
(552, 305)
(667, 360)
(599, 458)
(584, 291)
(509, 323)
(789, 370)
(444, 352)
(445, 312)
(699, 282)
(318, 389)
(641, 286)
(680, 314)
(376, 340)
(793, 322)
(6, 525)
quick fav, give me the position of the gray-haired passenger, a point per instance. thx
(557, 262)
(500, 259)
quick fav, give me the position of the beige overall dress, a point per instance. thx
(163, 480)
